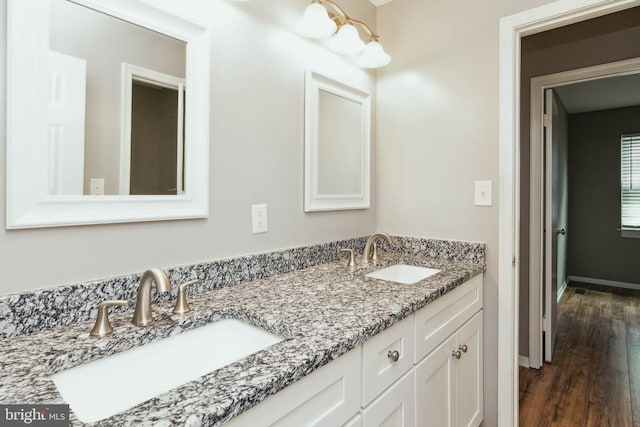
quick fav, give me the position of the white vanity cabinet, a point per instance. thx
(449, 380)
(448, 388)
(329, 396)
(407, 375)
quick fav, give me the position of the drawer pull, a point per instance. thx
(463, 347)
(456, 354)
(393, 355)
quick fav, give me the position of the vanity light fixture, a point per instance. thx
(347, 41)
(322, 18)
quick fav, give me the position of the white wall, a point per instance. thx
(257, 118)
(438, 132)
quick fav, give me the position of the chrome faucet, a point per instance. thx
(142, 315)
(367, 246)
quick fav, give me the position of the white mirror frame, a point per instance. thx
(313, 201)
(28, 202)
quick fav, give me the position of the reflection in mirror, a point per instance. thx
(107, 112)
(337, 145)
(116, 105)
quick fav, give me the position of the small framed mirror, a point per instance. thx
(337, 145)
(107, 112)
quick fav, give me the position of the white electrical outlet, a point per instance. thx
(483, 193)
(259, 218)
(97, 187)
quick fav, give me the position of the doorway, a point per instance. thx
(154, 151)
(512, 132)
(595, 88)
(153, 132)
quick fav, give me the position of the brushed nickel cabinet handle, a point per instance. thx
(393, 355)
(182, 306)
(561, 231)
(456, 354)
(463, 347)
(102, 328)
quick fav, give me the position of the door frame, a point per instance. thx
(512, 29)
(129, 74)
(537, 175)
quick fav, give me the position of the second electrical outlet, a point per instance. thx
(259, 218)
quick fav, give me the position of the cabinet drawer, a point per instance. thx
(395, 407)
(379, 371)
(327, 397)
(438, 320)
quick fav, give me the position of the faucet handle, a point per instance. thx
(182, 306)
(352, 259)
(102, 327)
(374, 256)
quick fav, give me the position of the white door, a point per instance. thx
(66, 122)
(556, 208)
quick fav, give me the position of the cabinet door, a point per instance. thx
(394, 408)
(329, 396)
(469, 373)
(354, 422)
(435, 379)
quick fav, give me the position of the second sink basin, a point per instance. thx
(105, 387)
(402, 273)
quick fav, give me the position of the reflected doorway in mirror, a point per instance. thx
(152, 145)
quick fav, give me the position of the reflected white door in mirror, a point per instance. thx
(107, 113)
(337, 145)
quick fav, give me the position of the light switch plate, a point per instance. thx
(483, 193)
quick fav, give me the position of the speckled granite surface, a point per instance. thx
(63, 305)
(322, 312)
(451, 250)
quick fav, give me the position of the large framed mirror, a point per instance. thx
(337, 145)
(107, 113)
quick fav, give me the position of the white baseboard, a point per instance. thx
(563, 287)
(523, 361)
(604, 282)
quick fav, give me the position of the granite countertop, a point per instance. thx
(322, 312)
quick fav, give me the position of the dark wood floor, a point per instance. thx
(594, 379)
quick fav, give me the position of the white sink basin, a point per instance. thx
(402, 273)
(105, 387)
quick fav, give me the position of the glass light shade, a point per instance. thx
(373, 56)
(347, 41)
(315, 23)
